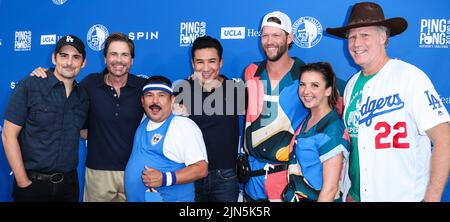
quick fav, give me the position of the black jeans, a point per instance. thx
(42, 190)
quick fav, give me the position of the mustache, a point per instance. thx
(154, 106)
(271, 45)
(68, 67)
(118, 63)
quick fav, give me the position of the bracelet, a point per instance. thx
(164, 179)
(169, 179)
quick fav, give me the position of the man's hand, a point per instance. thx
(179, 109)
(39, 72)
(151, 177)
(195, 75)
(24, 184)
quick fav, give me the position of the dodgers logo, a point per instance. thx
(307, 32)
(156, 138)
(96, 37)
(434, 103)
(59, 2)
(373, 108)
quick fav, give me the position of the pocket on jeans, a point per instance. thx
(227, 174)
(20, 192)
(24, 188)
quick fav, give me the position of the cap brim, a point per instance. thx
(396, 26)
(77, 47)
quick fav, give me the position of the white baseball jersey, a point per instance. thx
(177, 146)
(398, 105)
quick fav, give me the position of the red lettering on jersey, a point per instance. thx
(402, 133)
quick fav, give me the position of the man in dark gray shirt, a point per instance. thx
(42, 128)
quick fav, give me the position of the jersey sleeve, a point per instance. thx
(427, 108)
(184, 142)
(335, 141)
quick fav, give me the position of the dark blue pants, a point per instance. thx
(221, 185)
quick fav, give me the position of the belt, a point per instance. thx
(52, 178)
(275, 169)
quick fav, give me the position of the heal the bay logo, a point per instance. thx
(59, 2)
(307, 32)
(96, 37)
(189, 31)
(434, 33)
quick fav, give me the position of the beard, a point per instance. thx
(281, 50)
(67, 72)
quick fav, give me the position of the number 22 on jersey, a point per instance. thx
(400, 132)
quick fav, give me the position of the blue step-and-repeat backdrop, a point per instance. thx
(164, 30)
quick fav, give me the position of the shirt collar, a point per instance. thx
(132, 80)
(53, 81)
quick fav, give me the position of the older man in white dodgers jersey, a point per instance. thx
(392, 112)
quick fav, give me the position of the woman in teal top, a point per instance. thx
(321, 144)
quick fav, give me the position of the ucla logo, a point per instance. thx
(48, 39)
(156, 138)
(373, 108)
(59, 2)
(232, 33)
(96, 37)
(307, 32)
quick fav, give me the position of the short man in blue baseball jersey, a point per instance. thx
(168, 154)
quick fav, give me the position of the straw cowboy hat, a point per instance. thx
(369, 14)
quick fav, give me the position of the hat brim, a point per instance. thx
(396, 25)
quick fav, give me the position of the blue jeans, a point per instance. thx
(221, 185)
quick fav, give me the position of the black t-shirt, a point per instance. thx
(216, 114)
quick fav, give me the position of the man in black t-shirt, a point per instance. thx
(212, 102)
